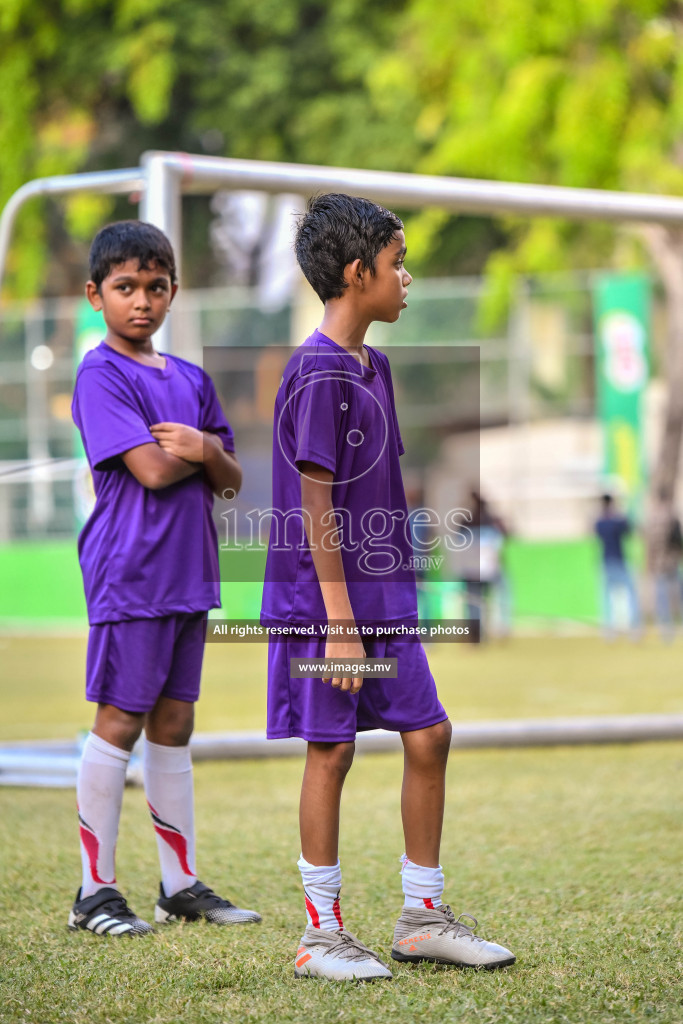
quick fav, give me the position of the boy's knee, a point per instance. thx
(426, 747)
(172, 734)
(118, 727)
(335, 758)
(443, 733)
(442, 737)
(170, 723)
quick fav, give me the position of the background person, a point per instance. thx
(612, 528)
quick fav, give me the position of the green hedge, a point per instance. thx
(41, 582)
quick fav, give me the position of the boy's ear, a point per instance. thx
(174, 289)
(353, 272)
(93, 296)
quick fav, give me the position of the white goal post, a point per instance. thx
(164, 177)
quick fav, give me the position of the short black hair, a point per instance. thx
(130, 240)
(335, 230)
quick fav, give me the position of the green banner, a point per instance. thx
(622, 308)
(90, 330)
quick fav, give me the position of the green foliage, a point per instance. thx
(572, 92)
(86, 84)
(586, 94)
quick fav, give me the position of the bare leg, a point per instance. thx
(118, 727)
(422, 796)
(327, 765)
(170, 722)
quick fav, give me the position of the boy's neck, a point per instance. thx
(142, 351)
(345, 327)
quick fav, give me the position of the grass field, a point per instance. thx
(41, 688)
(570, 856)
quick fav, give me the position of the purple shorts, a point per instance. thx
(315, 711)
(131, 664)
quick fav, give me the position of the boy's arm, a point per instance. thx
(222, 468)
(200, 448)
(316, 505)
(155, 468)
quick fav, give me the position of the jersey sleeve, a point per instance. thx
(108, 416)
(317, 408)
(213, 417)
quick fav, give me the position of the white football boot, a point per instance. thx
(436, 936)
(339, 956)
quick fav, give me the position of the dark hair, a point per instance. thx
(130, 240)
(336, 230)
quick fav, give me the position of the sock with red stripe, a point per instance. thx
(322, 886)
(169, 788)
(422, 887)
(99, 793)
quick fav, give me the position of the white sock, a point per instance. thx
(322, 886)
(169, 789)
(422, 887)
(99, 794)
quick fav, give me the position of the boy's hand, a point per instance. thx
(345, 650)
(180, 440)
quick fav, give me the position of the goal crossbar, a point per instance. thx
(164, 177)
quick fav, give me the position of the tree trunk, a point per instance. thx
(666, 249)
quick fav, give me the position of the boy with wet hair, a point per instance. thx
(159, 447)
(336, 458)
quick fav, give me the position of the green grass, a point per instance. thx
(41, 692)
(570, 856)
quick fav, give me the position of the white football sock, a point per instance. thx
(169, 789)
(422, 887)
(99, 794)
(322, 886)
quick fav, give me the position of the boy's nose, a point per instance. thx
(407, 278)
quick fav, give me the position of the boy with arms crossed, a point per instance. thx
(159, 447)
(336, 457)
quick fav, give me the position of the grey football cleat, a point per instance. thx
(438, 937)
(199, 901)
(339, 956)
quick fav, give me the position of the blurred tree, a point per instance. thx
(88, 84)
(584, 93)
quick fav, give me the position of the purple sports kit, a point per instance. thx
(145, 554)
(131, 664)
(333, 411)
(149, 557)
(316, 711)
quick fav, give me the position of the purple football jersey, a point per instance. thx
(145, 553)
(333, 411)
